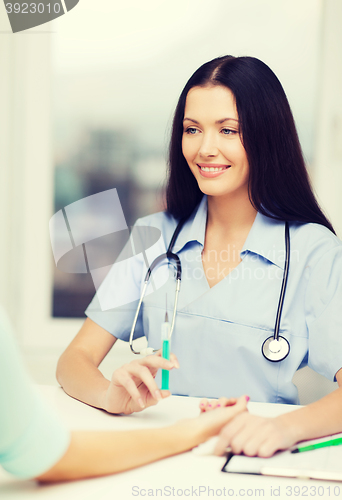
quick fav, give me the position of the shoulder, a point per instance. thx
(315, 241)
(162, 221)
(158, 218)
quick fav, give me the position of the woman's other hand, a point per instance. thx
(133, 386)
(255, 436)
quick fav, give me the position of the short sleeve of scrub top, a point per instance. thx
(323, 307)
(115, 302)
(219, 331)
(32, 439)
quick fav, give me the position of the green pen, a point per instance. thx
(165, 338)
(331, 442)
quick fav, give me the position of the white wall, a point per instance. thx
(26, 187)
(327, 174)
(327, 161)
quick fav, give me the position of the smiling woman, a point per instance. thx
(213, 149)
(238, 193)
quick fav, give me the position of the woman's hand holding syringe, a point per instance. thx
(133, 386)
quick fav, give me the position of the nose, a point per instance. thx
(208, 147)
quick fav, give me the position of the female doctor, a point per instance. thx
(252, 232)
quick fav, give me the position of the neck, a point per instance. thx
(231, 214)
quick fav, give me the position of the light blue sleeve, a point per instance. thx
(324, 314)
(115, 302)
(32, 439)
(116, 299)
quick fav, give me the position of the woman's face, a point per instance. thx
(211, 142)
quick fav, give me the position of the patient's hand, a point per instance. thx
(211, 422)
(133, 386)
(207, 405)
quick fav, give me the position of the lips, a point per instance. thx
(212, 169)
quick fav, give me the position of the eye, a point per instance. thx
(191, 130)
(228, 131)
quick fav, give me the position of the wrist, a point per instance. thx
(293, 426)
(190, 432)
(103, 398)
(198, 430)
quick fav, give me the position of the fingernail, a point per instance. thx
(141, 403)
(158, 395)
(218, 406)
(247, 398)
(202, 404)
(209, 405)
(176, 364)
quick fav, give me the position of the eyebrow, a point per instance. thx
(217, 121)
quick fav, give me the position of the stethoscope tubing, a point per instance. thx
(277, 348)
(284, 282)
(169, 255)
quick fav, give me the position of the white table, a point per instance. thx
(176, 477)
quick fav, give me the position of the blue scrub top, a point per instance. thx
(32, 438)
(219, 331)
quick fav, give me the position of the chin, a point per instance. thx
(215, 191)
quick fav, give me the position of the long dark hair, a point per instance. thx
(279, 186)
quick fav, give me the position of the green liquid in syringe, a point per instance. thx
(166, 373)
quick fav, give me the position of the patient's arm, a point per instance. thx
(99, 453)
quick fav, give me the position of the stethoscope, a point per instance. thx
(274, 348)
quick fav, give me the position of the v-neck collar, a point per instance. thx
(265, 238)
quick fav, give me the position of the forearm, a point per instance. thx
(100, 453)
(318, 419)
(81, 379)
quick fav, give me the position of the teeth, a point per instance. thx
(213, 169)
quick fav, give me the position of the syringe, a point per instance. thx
(165, 331)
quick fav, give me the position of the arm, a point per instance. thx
(132, 386)
(77, 368)
(99, 453)
(318, 419)
(254, 435)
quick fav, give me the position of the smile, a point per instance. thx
(210, 170)
(213, 169)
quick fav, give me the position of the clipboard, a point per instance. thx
(323, 463)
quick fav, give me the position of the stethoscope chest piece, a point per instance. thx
(275, 350)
